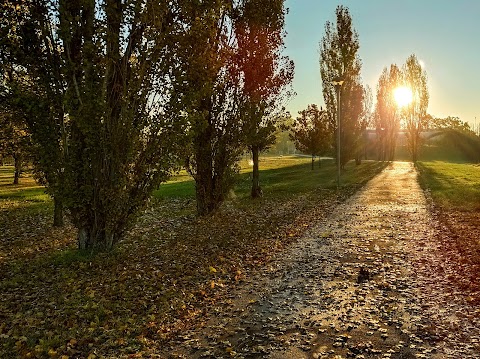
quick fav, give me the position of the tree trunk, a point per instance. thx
(319, 162)
(313, 161)
(96, 237)
(83, 239)
(18, 168)
(57, 213)
(256, 190)
(205, 179)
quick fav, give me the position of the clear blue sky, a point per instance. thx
(444, 34)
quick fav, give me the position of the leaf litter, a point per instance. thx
(378, 276)
(375, 279)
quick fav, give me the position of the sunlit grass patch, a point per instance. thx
(452, 185)
(26, 194)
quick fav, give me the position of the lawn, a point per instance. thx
(455, 193)
(171, 270)
(280, 176)
(453, 186)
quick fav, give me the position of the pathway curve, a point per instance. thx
(357, 285)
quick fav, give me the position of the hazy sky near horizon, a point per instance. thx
(444, 34)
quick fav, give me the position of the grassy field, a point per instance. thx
(280, 176)
(455, 191)
(170, 271)
(453, 186)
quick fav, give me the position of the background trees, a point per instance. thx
(387, 113)
(312, 132)
(339, 59)
(416, 118)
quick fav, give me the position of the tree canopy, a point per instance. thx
(312, 132)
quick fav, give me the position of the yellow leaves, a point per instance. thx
(52, 353)
(91, 356)
(121, 341)
(213, 270)
(230, 351)
(212, 284)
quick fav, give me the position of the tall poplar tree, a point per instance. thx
(265, 73)
(210, 89)
(415, 78)
(387, 113)
(339, 59)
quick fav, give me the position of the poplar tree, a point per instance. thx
(339, 59)
(387, 113)
(415, 78)
(265, 73)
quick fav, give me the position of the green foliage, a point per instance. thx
(210, 100)
(339, 59)
(98, 78)
(266, 74)
(450, 123)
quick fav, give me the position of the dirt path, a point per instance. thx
(360, 284)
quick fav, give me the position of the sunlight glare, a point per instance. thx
(403, 96)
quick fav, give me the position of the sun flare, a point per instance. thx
(403, 96)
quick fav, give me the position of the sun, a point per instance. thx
(403, 96)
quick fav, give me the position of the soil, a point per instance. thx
(378, 278)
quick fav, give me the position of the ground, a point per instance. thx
(308, 271)
(370, 280)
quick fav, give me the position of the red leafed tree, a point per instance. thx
(266, 75)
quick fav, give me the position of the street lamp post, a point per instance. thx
(338, 82)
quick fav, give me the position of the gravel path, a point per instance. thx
(366, 282)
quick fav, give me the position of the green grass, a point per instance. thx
(452, 185)
(279, 176)
(26, 190)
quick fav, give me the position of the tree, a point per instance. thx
(265, 74)
(387, 113)
(31, 64)
(416, 112)
(210, 90)
(312, 132)
(339, 59)
(364, 120)
(450, 123)
(113, 103)
(15, 141)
